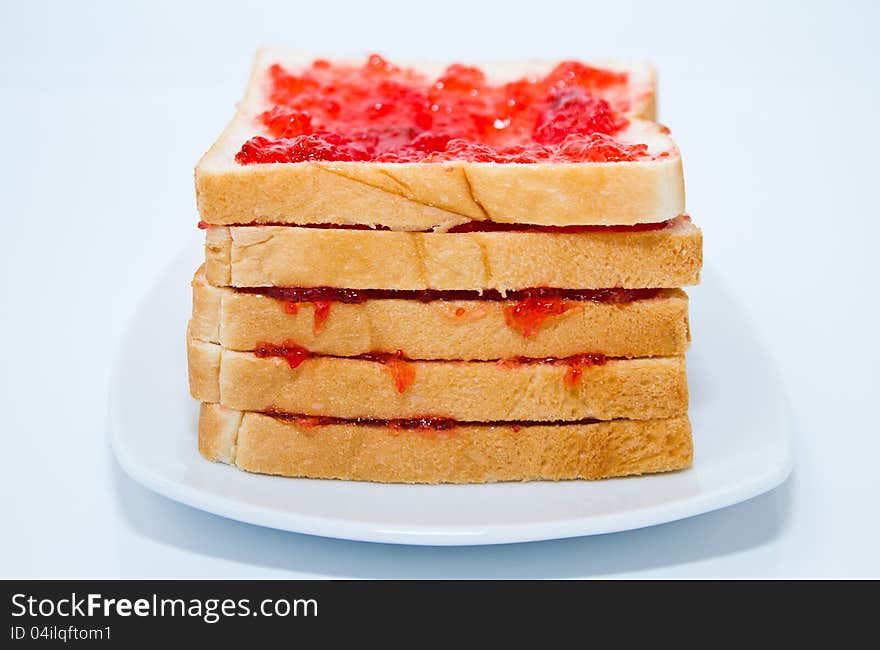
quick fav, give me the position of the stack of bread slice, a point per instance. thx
(457, 312)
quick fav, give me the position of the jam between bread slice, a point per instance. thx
(427, 450)
(587, 386)
(403, 373)
(425, 423)
(543, 322)
(525, 311)
(480, 226)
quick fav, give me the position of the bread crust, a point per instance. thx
(421, 196)
(469, 391)
(364, 259)
(466, 454)
(424, 196)
(455, 329)
(203, 364)
(218, 432)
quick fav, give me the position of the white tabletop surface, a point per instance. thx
(106, 109)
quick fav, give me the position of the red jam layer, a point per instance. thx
(379, 112)
(289, 349)
(473, 226)
(575, 365)
(529, 311)
(529, 314)
(320, 314)
(294, 354)
(357, 296)
(402, 373)
(425, 423)
(494, 226)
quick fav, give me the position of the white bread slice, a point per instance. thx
(470, 391)
(423, 196)
(441, 329)
(466, 454)
(255, 256)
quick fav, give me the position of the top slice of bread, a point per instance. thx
(440, 195)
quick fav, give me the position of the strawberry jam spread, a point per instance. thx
(494, 226)
(575, 365)
(480, 226)
(321, 311)
(528, 315)
(294, 295)
(424, 423)
(379, 112)
(290, 351)
(530, 309)
(402, 424)
(402, 373)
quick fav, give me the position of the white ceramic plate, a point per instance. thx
(738, 409)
